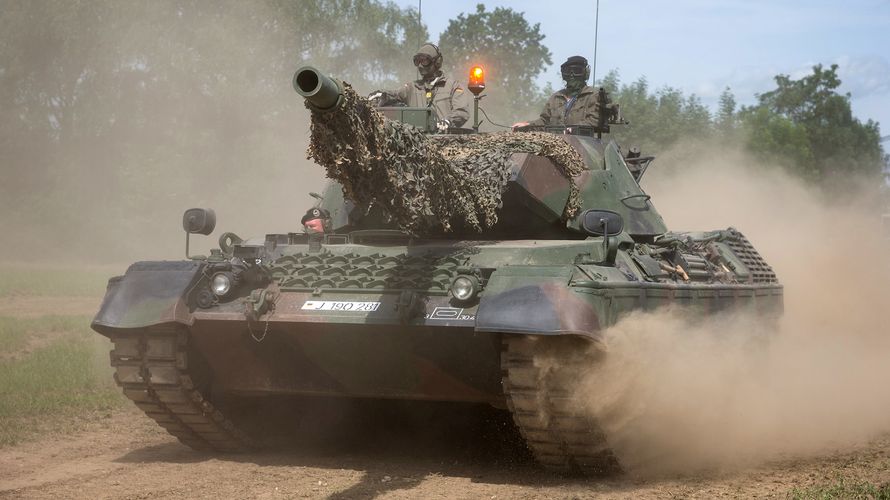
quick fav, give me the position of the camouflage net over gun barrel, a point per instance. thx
(426, 183)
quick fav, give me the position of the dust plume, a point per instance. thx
(119, 115)
(676, 395)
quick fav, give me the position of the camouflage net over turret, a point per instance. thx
(426, 182)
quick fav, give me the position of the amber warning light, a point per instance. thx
(477, 80)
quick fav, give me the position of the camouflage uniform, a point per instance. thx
(450, 100)
(561, 110)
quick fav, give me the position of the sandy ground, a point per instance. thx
(124, 455)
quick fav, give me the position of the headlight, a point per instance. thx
(220, 284)
(464, 287)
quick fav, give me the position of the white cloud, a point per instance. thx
(864, 76)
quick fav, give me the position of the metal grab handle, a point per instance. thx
(646, 196)
(639, 159)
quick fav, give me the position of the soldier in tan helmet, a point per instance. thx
(434, 88)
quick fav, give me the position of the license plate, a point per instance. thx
(332, 305)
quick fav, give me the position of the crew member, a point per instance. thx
(434, 88)
(576, 104)
(316, 220)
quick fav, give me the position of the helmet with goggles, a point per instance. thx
(428, 58)
(575, 67)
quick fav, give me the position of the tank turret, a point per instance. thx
(511, 184)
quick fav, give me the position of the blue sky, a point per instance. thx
(702, 46)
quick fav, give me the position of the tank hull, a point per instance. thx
(320, 338)
(364, 361)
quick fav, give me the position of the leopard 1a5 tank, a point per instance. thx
(448, 268)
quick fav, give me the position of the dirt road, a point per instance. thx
(125, 455)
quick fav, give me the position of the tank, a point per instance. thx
(476, 268)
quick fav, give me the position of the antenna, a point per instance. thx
(420, 20)
(596, 31)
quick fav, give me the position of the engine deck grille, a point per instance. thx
(761, 272)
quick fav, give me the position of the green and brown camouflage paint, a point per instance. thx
(541, 274)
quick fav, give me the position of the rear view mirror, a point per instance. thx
(199, 221)
(602, 222)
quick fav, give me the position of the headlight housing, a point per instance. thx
(220, 284)
(464, 287)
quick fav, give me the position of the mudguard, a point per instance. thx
(150, 293)
(535, 303)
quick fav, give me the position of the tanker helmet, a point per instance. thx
(575, 67)
(315, 213)
(428, 59)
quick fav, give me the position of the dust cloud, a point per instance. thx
(682, 396)
(176, 106)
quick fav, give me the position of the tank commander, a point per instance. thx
(576, 104)
(434, 88)
(316, 220)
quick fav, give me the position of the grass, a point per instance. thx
(15, 332)
(54, 282)
(64, 375)
(54, 370)
(844, 489)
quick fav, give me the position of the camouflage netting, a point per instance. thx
(426, 183)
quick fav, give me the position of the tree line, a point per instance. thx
(805, 126)
(120, 110)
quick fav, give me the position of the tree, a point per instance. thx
(841, 148)
(657, 120)
(510, 50)
(803, 125)
(135, 110)
(777, 139)
(726, 114)
(365, 42)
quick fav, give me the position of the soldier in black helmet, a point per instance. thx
(576, 104)
(316, 220)
(434, 88)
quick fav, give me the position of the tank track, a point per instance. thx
(539, 377)
(152, 367)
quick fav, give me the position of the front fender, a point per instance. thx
(150, 293)
(540, 306)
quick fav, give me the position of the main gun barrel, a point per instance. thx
(322, 92)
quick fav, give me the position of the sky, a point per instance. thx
(703, 46)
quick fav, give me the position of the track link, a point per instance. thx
(152, 367)
(539, 378)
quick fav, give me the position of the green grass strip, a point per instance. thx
(15, 332)
(842, 489)
(68, 376)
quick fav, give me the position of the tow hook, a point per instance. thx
(260, 301)
(408, 306)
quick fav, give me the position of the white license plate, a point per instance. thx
(332, 305)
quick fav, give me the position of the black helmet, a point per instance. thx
(315, 213)
(574, 67)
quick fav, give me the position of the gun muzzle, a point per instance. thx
(322, 92)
